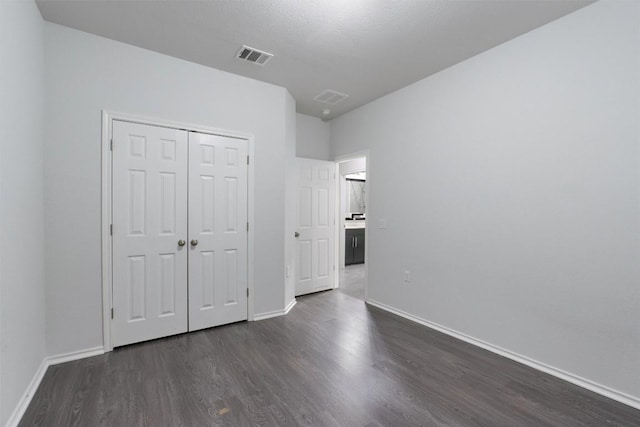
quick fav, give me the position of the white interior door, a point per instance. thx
(315, 260)
(150, 218)
(217, 230)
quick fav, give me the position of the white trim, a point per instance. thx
(252, 227)
(19, 411)
(105, 212)
(74, 355)
(289, 306)
(339, 227)
(275, 313)
(603, 390)
(268, 315)
(107, 119)
(25, 400)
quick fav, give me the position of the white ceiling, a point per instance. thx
(364, 48)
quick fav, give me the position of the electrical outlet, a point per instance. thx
(382, 223)
(407, 276)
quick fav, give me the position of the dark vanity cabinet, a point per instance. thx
(354, 246)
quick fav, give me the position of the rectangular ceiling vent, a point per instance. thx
(253, 55)
(331, 97)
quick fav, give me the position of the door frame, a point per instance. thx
(106, 204)
(340, 228)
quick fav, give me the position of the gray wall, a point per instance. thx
(22, 307)
(85, 74)
(291, 206)
(510, 185)
(313, 137)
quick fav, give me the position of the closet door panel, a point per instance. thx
(217, 230)
(149, 202)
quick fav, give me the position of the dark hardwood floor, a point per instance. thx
(333, 361)
(352, 281)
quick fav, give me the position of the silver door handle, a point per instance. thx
(356, 241)
(353, 242)
(194, 242)
(181, 243)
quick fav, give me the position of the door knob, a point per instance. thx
(297, 234)
(181, 243)
(194, 242)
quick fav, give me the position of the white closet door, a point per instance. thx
(315, 259)
(217, 230)
(149, 220)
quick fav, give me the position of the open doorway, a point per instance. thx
(351, 240)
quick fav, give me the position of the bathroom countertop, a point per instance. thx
(354, 224)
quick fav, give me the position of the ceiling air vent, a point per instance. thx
(331, 97)
(252, 55)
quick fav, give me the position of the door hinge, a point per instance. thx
(247, 292)
(247, 226)
(111, 145)
(247, 159)
(111, 229)
(112, 312)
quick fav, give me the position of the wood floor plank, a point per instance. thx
(332, 361)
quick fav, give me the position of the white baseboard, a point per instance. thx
(268, 315)
(74, 355)
(288, 308)
(276, 313)
(616, 395)
(19, 411)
